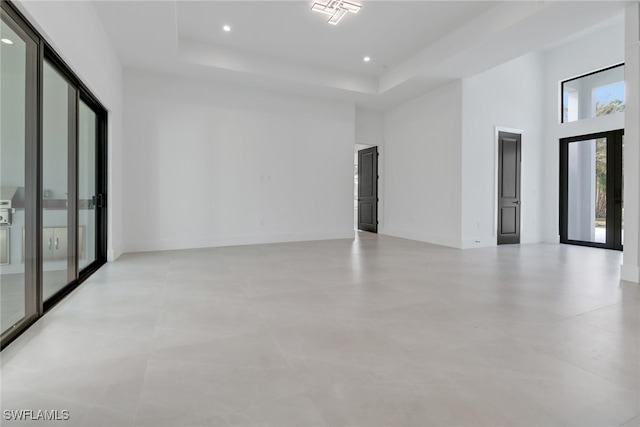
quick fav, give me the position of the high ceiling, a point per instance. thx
(283, 45)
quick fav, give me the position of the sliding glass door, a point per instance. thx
(591, 190)
(92, 186)
(18, 142)
(58, 204)
(52, 177)
(87, 185)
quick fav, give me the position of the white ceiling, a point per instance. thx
(389, 32)
(283, 45)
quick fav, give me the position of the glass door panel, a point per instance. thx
(18, 55)
(587, 196)
(58, 135)
(87, 190)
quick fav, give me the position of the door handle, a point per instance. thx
(56, 243)
(49, 244)
(516, 202)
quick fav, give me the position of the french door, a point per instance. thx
(591, 178)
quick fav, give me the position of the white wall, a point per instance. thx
(369, 127)
(422, 161)
(508, 96)
(75, 32)
(212, 165)
(631, 261)
(595, 51)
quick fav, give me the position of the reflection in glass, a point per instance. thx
(13, 78)
(86, 186)
(58, 102)
(587, 191)
(593, 95)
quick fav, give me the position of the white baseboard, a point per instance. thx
(427, 238)
(551, 239)
(213, 242)
(478, 242)
(630, 273)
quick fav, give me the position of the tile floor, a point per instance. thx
(373, 332)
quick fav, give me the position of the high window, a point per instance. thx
(592, 95)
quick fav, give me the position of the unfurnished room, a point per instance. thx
(320, 213)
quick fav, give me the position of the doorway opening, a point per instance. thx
(591, 177)
(509, 206)
(365, 193)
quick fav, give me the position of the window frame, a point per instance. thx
(562, 83)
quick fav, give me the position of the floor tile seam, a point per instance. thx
(136, 413)
(252, 405)
(204, 333)
(160, 310)
(86, 364)
(133, 413)
(315, 407)
(97, 406)
(464, 392)
(48, 395)
(595, 310)
(632, 419)
(99, 333)
(495, 406)
(297, 376)
(579, 318)
(611, 382)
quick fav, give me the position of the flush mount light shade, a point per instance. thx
(6, 41)
(226, 28)
(336, 8)
(366, 59)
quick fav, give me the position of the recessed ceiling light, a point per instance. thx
(6, 41)
(226, 28)
(367, 59)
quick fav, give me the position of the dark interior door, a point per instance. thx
(509, 158)
(368, 189)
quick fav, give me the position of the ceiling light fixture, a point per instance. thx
(336, 8)
(6, 41)
(367, 59)
(226, 28)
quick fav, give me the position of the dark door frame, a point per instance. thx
(614, 189)
(513, 202)
(372, 198)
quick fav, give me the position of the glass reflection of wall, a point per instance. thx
(13, 60)
(56, 100)
(86, 186)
